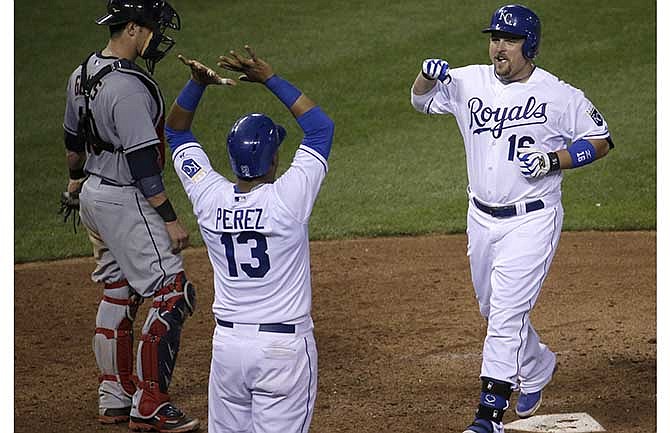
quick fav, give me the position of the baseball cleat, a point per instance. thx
(528, 404)
(480, 425)
(169, 419)
(114, 415)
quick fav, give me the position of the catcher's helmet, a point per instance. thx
(521, 21)
(252, 143)
(156, 15)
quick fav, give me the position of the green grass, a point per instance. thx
(393, 171)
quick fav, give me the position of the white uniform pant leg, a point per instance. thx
(481, 235)
(262, 382)
(229, 399)
(285, 385)
(537, 364)
(520, 250)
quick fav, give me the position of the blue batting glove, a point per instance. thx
(435, 69)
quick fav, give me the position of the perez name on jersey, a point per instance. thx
(238, 219)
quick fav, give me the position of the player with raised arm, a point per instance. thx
(263, 375)
(521, 127)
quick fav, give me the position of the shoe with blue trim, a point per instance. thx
(480, 425)
(528, 404)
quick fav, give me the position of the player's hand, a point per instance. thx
(253, 69)
(533, 162)
(178, 236)
(203, 74)
(74, 185)
(435, 69)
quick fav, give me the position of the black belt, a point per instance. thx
(280, 328)
(509, 210)
(104, 181)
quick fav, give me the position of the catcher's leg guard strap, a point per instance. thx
(113, 340)
(159, 345)
(494, 399)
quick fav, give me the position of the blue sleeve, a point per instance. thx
(176, 138)
(319, 130)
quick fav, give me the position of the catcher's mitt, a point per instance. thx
(69, 204)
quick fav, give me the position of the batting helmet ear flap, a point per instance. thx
(281, 134)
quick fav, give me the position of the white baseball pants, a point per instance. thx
(509, 261)
(262, 382)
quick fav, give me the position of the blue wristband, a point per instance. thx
(285, 91)
(190, 95)
(582, 152)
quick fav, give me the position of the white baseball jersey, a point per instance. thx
(257, 241)
(510, 256)
(496, 119)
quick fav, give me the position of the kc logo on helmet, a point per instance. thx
(506, 17)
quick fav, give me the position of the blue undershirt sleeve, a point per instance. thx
(319, 130)
(176, 138)
(188, 99)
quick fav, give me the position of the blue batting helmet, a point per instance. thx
(252, 143)
(521, 21)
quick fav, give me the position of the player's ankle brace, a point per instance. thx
(494, 399)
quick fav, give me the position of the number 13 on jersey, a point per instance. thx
(258, 252)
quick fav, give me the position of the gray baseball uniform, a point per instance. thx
(130, 241)
(128, 110)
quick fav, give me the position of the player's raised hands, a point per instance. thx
(204, 74)
(252, 68)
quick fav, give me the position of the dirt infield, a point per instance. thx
(398, 333)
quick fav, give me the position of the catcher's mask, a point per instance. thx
(156, 15)
(520, 21)
(252, 143)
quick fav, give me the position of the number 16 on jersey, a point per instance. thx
(522, 143)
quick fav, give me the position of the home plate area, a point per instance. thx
(558, 423)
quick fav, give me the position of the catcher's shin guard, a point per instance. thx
(113, 348)
(159, 345)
